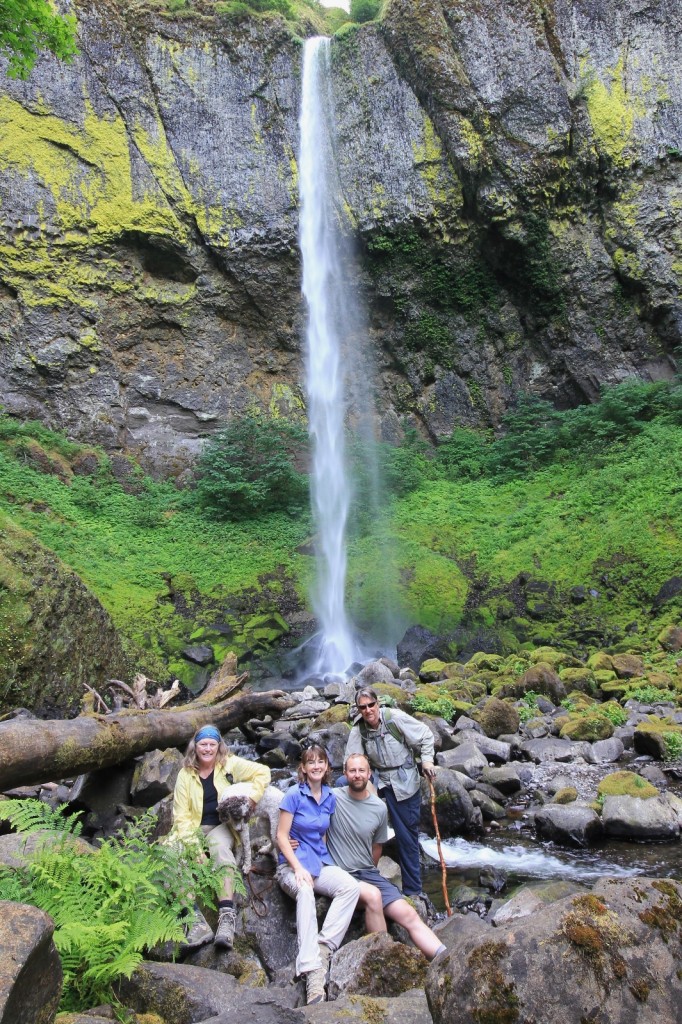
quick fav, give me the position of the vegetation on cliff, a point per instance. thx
(28, 26)
(563, 530)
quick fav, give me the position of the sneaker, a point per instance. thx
(199, 934)
(314, 985)
(224, 936)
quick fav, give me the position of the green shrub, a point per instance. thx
(108, 904)
(673, 746)
(463, 454)
(650, 694)
(247, 468)
(364, 10)
(443, 706)
(615, 714)
(528, 706)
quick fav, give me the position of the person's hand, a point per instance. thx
(428, 769)
(303, 877)
(294, 843)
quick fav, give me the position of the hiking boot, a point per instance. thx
(224, 936)
(314, 985)
(198, 934)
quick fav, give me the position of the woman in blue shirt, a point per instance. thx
(304, 817)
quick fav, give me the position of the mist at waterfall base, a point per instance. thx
(336, 368)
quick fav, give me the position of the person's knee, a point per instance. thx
(371, 900)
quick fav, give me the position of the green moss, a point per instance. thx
(494, 997)
(626, 784)
(612, 112)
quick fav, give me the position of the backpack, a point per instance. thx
(395, 732)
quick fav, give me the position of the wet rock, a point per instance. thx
(493, 750)
(200, 654)
(418, 644)
(30, 968)
(568, 824)
(490, 809)
(630, 817)
(374, 672)
(608, 750)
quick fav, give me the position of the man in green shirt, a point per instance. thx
(356, 834)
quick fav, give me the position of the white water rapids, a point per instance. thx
(328, 304)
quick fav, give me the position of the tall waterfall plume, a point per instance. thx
(328, 304)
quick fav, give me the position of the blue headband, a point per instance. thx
(208, 732)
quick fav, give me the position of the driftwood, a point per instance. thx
(33, 751)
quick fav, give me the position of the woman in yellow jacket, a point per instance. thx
(209, 769)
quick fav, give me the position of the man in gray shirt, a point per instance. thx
(356, 834)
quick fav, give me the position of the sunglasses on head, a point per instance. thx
(369, 704)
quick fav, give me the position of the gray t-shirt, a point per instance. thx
(355, 825)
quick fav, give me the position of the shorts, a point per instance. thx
(389, 892)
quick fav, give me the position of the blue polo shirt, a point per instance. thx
(310, 824)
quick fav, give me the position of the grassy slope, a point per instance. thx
(159, 566)
(558, 524)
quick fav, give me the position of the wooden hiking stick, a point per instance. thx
(443, 869)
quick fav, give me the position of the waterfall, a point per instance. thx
(328, 305)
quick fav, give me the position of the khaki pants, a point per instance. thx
(342, 889)
(220, 842)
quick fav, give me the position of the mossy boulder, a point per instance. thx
(590, 727)
(497, 717)
(614, 687)
(627, 666)
(578, 679)
(396, 693)
(600, 661)
(650, 737)
(332, 716)
(540, 678)
(670, 638)
(431, 670)
(626, 784)
(481, 660)
(557, 659)
(566, 795)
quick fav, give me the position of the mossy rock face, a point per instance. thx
(431, 670)
(581, 700)
(661, 680)
(453, 670)
(54, 634)
(590, 727)
(497, 717)
(626, 784)
(613, 687)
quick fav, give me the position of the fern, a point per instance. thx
(108, 904)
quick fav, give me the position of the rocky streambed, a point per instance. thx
(557, 798)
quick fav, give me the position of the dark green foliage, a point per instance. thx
(463, 455)
(539, 274)
(248, 469)
(109, 904)
(28, 26)
(406, 466)
(531, 437)
(364, 10)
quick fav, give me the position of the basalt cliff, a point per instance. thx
(509, 175)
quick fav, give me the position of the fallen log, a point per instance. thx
(34, 751)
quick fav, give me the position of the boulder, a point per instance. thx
(610, 957)
(407, 1008)
(505, 778)
(627, 666)
(375, 965)
(670, 638)
(155, 776)
(548, 749)
(497, 717)
(454, 807)
(30, 968)
(466, 758)
(493, 750)
(568, 824)
(418, 644)
(607, 750)
(630, 817)
(374, 672)
(184, 994)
